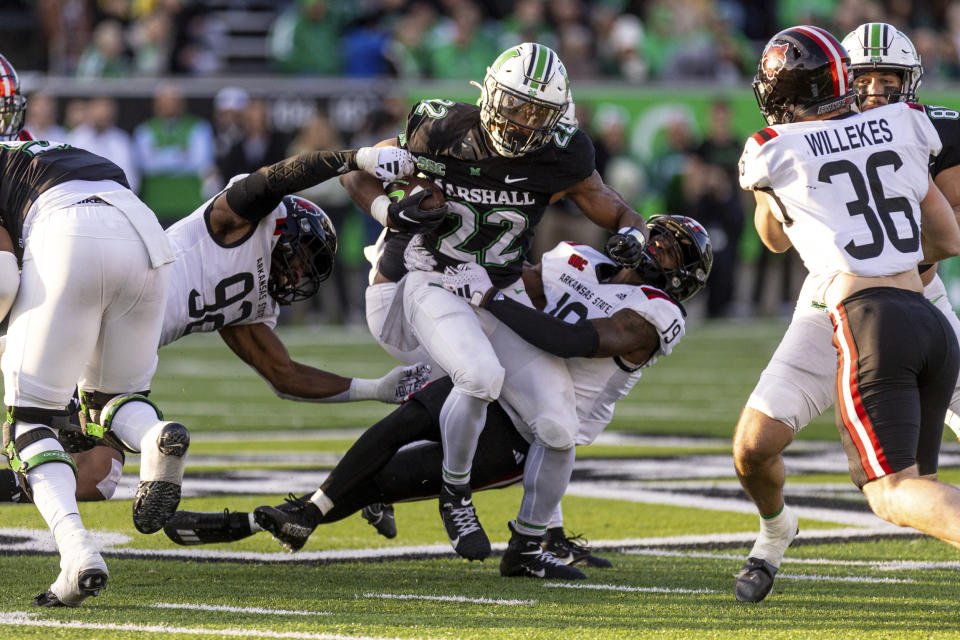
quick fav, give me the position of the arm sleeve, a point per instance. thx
(553, 335)
(259, 193)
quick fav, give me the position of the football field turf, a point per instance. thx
(657, 495)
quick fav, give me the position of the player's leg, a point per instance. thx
(899, 412)
(795, 387)
(116, 380)
(379, 300)
(53, 327)
(936, 293)
(449, 330)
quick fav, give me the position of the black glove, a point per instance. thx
(406, 215)
(625, 247)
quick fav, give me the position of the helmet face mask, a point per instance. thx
(523, 97)
(13, 105)
(877, 46)
(803, 71)
(677, 257)
(304, 254)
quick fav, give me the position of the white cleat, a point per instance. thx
(83, 573)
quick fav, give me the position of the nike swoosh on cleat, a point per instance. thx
(510, 180)
(466, 501)
(539, 572)
(454, 542)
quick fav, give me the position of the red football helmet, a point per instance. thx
(13, 106)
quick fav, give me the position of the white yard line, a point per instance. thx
(218, 607)
(620, 587)
(880, 565)
(865, 579)
(414, 596)
(25, 619)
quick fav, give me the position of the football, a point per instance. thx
(403, 187)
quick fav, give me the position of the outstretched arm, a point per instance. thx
(259, 346)
(603, 205)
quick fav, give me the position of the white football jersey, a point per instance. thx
(213, 285)
(574, 292)
(847, 189)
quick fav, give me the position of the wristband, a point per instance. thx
(379, 209)
(363, 389)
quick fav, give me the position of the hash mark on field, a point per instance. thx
(620, 587)
(217, 607)
(797, 576)
(413, 596)
(25, 619)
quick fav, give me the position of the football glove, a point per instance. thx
(403, 381)
(406, 215)
(386, 163)
(625, 247)
(416, 257)
(468, 280)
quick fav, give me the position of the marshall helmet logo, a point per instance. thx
(773, 60)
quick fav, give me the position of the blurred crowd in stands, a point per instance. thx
(175, 159)
(624, 40)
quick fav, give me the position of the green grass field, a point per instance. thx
(658, 497)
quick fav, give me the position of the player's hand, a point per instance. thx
(625, 247)
(386, 163)
(402, 381)
(406, 215)
(416, 257)
(468, 280)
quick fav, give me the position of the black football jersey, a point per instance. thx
(495, 202)
(29, 168)
(947, 123)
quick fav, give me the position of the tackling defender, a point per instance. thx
(812, 156)
(499, 165)
(240, 256)
(608, 345)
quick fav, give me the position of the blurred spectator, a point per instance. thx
(621, 49)
(228, 106)
(340, 302)
(711, 197)
(613, 160)
(306, 39)
(528, 23)
(576, 51)
(407, 51)
(462, 46)
(100, 135)
(74, 114)
(258, 146)
(175, 154)
(106, 55)
(66, 28)
(41, 118)
(150, 39)
(366, 47)
(198, 37)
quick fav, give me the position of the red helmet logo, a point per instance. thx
(773, 59)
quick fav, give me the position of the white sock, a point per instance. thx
(776, 534)
(132, 421)
(254, 527)
(321, 501)
(53, 484)
(461, 420)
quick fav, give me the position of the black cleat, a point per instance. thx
(291, 523)
(196, 527)
(463, 528)
(156, 500)
(381, 517)
(572, 550)
(90, 582)
(755, 580)
(525, 557)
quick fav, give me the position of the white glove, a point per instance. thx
(399, 383)
(416, 257)
(386, 163)
(468, 280)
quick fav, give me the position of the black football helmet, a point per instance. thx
(803, 71)
(690, 245)
(304, 253)
(13, 106)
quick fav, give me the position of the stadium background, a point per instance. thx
(646, 75)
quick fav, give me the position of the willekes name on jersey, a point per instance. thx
(486, 196)
(822, 142)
